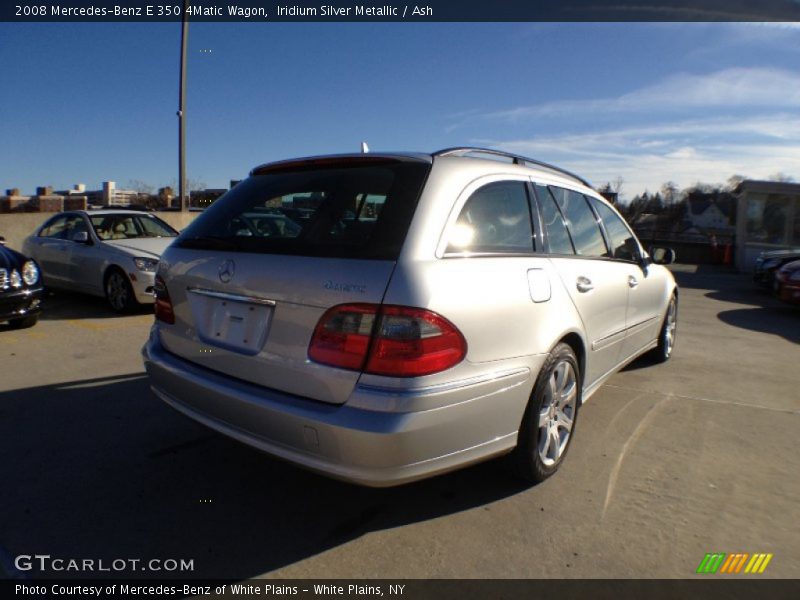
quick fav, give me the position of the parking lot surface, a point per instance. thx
(669, 462)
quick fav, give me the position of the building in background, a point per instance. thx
(202, 199)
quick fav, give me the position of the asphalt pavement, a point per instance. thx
(669, 462)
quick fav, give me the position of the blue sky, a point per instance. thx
(647, 102)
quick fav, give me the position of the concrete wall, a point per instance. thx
(15, 227)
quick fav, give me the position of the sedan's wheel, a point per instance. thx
(669, 329)
(119, 292)
(550, 418)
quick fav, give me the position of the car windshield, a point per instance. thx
(123, 227)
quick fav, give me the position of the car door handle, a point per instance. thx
(632, 281)
(584, 284)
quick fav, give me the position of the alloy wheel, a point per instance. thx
(117, 291)
(670, 328)
(557, 414)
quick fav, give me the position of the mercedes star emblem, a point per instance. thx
(226, 271)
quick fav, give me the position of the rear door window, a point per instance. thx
(352, 210)
(581, 222)
(495, 219)
(55, 228)
(623, 243)
(558, 240)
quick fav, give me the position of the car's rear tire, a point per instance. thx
(667, 335)
(119, 291)
(24, 322)
(549, 421)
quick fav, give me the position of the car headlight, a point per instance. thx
(146, 264)
(30, 273)
(15, 279)
(770, 263)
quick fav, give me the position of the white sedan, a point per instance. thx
(109, 253)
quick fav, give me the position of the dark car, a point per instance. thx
(20, 288)
(787, 282)
(768, 263)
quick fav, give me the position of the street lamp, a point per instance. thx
(182, 110)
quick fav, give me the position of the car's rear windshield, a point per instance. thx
(347, 210)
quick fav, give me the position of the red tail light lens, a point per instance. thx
(341, 338)
(412, 341)
(164, 310)
(405, 342)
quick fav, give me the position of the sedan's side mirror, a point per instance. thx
(661, 255)
(81, 237)
(2, 241)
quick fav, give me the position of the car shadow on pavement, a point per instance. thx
(61, 304)
(102, 469)
(765, 312)
(708, 277)
(783, 321)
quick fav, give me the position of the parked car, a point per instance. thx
(20, 288)
(110, 253)
(469, 313)
(787, 282)
(768, 263)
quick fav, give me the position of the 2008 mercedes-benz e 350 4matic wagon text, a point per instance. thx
(430, 311)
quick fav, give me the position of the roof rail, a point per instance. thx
(516, 159)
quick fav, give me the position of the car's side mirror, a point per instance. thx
(661, 255)
(2, 241)
(81, 237)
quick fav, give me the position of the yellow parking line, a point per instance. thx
(15, 339)
(88, 325)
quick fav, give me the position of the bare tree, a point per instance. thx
(139, 186)
(782, 177)
(192, 184)
(617, 185)
(669, 192)
(734, 181)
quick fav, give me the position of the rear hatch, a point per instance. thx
(250, 279)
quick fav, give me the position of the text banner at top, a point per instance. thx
(388, 11)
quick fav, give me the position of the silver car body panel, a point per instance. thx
(80, 267)
(363, 445)
(378, 430)
(298, 289)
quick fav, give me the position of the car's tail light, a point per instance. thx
(396, 341)
(164, 310)
(341, 338)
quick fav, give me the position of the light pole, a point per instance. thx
(182, 110)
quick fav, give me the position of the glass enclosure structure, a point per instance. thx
(768, 219)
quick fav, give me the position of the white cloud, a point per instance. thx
(729, 88)
(685, 152)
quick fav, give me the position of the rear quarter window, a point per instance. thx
(496, 218)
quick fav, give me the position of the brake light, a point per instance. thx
(341, 338)
(164, 310)
(396, 341)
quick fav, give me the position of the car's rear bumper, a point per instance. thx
(763, 277)
(20, 303)
(369, 447)
(789, 292)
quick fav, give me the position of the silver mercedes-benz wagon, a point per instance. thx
(385, 317)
